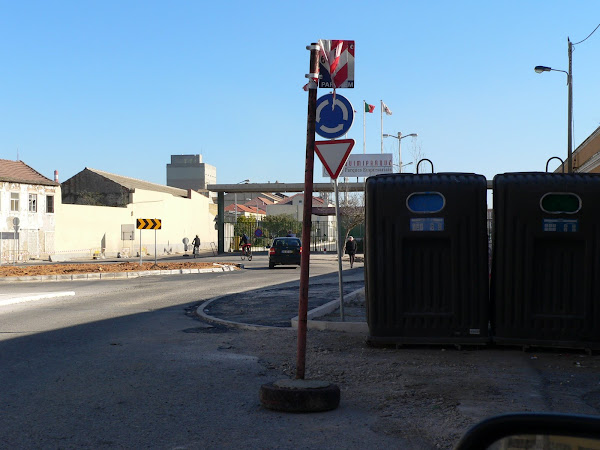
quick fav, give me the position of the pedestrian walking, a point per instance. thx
(196, 244)
(351, 249)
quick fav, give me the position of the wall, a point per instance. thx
(36, 229)
(586, 157)
(296, 211)
(89, 188)
(83, 229)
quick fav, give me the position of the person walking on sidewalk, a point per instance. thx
(196, 244)
(351, 249)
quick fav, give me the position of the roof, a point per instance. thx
(315, 200)
(245, 209)
(19, 172)
(133, 183)
(275, 196)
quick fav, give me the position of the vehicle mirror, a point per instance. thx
(544, 441)
(533, 431)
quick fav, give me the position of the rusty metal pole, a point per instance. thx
(307, 211)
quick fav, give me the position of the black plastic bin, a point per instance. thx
(546, 260)
(426, 259)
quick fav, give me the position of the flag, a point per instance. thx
(369, 108)
(386, 110)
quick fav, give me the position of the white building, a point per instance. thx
(28, 202)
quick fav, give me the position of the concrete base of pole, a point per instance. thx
(300, 396)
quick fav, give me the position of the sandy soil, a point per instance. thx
(66, 269)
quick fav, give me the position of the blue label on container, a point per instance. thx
(561, 225)
(427, 224)
(425, 202)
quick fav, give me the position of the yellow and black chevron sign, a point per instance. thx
(148, 224)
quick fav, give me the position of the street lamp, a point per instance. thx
(235, 197)
(400, 137)
(540, 69)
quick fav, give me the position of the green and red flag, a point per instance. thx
(369, 108)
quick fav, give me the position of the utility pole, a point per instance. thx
(570, 113)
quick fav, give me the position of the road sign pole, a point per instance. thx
(155, 246)
(140, 246)
(306, 215)
(339, 246)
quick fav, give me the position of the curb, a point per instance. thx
(349, 327)
(327, 308)
(243, 326)
(117, 275)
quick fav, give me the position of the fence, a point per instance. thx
(322, 236)
(25, 245)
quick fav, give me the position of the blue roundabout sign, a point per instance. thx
(334, 118)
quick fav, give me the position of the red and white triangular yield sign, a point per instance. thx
(333, 154)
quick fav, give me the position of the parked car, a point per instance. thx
(285, 251)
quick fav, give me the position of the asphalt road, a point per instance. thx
(123, 364)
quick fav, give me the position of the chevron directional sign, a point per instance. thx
(148, 224)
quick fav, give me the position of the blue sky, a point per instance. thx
(122, 85)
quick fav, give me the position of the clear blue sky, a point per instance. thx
(121, 85)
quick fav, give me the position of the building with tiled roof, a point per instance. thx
(19, 172)
(246, 210)
(293, 206)
(96, 187)
(28, 202)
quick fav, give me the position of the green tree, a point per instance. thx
(280, 224)
(244, 225)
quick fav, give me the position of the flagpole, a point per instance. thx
(364, 127)
(381, 108)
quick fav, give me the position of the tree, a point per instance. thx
(280, 224)
(418, 154)
(352, 214)
(244, 225)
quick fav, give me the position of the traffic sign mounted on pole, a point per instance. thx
(336, 64)
(334, 116)
(333, 155)
(149, 224)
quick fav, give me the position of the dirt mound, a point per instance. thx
(68, 269)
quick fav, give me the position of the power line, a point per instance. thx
(588, 35)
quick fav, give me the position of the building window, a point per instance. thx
(32, 202)
(14, 201)
(50, 204)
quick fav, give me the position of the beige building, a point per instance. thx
(189, 172)
(586, 157)
(28, 202)
(99, 212)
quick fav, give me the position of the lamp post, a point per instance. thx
(540, 69)
(235, 197)
(400, 137)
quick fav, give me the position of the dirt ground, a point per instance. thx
(428, 397)
(68, 269)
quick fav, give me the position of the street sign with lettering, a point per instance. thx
(336, 64)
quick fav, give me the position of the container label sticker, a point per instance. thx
(427, 224)
(561, 225)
